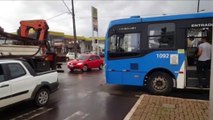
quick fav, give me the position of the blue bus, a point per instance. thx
(156, 52)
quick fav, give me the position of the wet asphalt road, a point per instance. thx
(85, 96)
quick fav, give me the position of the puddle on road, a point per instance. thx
(79, 95)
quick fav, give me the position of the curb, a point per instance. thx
(129, 115)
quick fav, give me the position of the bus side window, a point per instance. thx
(161, 35)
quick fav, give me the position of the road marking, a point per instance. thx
(83, 117)
(79, 114)
(32, 112)
(129, 115)
(38, 114)
(20, 116)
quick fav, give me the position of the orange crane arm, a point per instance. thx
(40, 26)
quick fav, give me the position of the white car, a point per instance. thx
(70, 55)
(19, 82)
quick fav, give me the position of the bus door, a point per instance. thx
(194, 38)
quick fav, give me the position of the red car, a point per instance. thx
(86, 62)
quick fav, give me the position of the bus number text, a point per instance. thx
(162, 56)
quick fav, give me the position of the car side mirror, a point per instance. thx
(90, 60)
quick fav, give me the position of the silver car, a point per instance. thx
(70, 55)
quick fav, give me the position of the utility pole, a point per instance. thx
(74, 29)
(198, 6)
(211, 87)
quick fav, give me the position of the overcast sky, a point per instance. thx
(12, 12)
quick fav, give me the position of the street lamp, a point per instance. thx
(74, 29)
(198, 6)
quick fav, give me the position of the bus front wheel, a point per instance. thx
(160, 83)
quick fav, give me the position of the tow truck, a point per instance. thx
(43, 58)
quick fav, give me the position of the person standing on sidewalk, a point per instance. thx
(204, 62)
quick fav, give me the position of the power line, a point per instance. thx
(67, 6)
(56, 16)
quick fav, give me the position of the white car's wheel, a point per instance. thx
(42, 97)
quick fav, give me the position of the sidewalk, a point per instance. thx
(150, 107)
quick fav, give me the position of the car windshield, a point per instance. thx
(83, 57)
